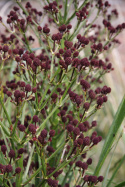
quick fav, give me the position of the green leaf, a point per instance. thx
(65, 13)
(28, 164)
(109, 165)
(122, 184)
(120, 114)
(56, 152)
(116, 170)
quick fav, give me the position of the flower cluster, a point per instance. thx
(49, 94)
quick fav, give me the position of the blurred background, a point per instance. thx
(116, 80)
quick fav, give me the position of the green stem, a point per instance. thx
(5, 111)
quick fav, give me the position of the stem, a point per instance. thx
(73, 15)
(52, 64)
(5, 111)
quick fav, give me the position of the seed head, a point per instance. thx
(8, 168)
(18, 170)
(11, 153)
(28, 88)
(3, 149)
(43, 133)
(35, 119)
(32, 128)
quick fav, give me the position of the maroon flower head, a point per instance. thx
(79, 164)
(20, 151)
(46, 30)
(28, 88)
(52, 133)
(35, 119)
(50, 149)
(5, 48)
(94, 123)
(18, 170)
(86, 106)
(21, 128)
(100, 178)
(89, 161)
(70, 128)
(76, 131)
(100, 101)
(3, 149)
(86, 141)
(84, 165)
(32, 128)
(62, 28)
(43, 133)
(68, 44)
(8, 168)
(85, 84)
(11, 153)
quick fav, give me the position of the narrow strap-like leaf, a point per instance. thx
(116, 170)
(122, 184)
(120, 114)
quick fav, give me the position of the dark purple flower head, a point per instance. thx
(69, 26)
(95, 140)
(35, 119)
(34, 89)
(3, 149)
(86, 178)
(76, 131)
(100, 178)
(94, 123)
(5, 48)
(68, 44)
(46, 30)
(21, 151)
(85, 84)
(52, 183)
(92, 179)
(52, 133)
(11, 153)
(17, 93)
(62, 28)
(43, 133)
(79, 164)
(100, 101)
(39, 28)
(86, 106)
(28, 88)
(68, 60)
(84, 165)
(18, 170)
(70, 128)
(21, 128)
(86, 141)
(89, 161)
(9, 168)
(50, 149)
(67, 53)
(79, 141)
(32, 128)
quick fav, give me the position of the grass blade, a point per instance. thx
(122, 184)
(109, 165)
(28, 164)
(117, 168)
(120, 114)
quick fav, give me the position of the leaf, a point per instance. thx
(122, 184)
(28, 164)
(116, 170)
(120, 114)
(109, 165)
(55, 153)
